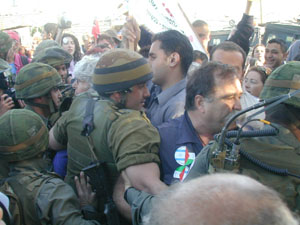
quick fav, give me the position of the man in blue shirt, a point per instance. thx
(170, 56)
(213, 95)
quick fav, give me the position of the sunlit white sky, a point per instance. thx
(216, 12)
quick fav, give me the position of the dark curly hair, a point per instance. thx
(77, 54)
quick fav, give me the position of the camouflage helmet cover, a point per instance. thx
(23, 135)
(53, 56)
(283, 80)
(4, 66)
(45, 44)
(120, 69)
(36, 80)
(5, 44)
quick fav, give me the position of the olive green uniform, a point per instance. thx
(121, 137)
(281, 151)
(45, 198)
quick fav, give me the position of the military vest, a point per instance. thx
(24, 189)
(79, 152)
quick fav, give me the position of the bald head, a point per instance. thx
(218, 200)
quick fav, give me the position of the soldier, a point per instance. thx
(122, 137)
(56, 57)
(83, 73)
(280, 151)
(5, 45)
(43, 197)
(38, 85)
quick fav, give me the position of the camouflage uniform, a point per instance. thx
(121, 137)
(281, 151)
(44, 198)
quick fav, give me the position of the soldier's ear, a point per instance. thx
(116, 96)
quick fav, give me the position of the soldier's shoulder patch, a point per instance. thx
(123, 111)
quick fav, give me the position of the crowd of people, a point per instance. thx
(147, 130)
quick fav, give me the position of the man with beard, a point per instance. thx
(212, 95)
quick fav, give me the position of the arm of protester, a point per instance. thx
(248, 7)
(244, 30)
(59, 35)
(131, 33)
(6, 103)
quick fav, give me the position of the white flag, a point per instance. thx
(162, 15)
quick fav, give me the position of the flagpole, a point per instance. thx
(189, 23)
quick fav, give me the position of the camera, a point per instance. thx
(64, 23)
(12, 93)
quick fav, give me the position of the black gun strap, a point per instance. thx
(88, 125)
(88, 120)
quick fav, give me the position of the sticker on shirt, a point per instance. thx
(184, 158)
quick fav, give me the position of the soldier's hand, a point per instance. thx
(84, 190)
(6, 103)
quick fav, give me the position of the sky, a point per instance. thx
(209, 10)
(217, 13)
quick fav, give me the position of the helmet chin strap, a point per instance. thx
(31, 103)
(122, 103)
(49, 106)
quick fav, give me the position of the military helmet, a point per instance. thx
(283, 80)
(53, 56)
(43, 45)
(36, 80)
(120, 69)
(23, 135)
(4, 66)
(5, 44)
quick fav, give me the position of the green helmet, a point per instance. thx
(4, 66)
(120, 69)
(53, 56)
(36, 80)
(45, 44)
(283, 80)
(23, 135)
(5, 44)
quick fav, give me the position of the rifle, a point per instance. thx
(97, 170)
(99, 182)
